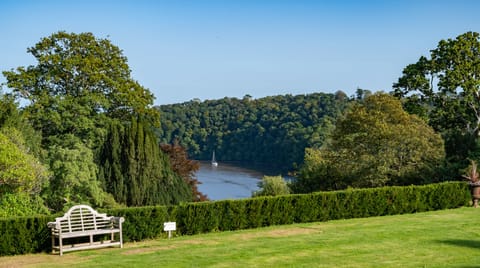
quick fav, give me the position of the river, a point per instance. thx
(227, 181)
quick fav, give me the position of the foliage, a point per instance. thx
(444, 89)
(143, 222)
(316, 173)
(226, 215)
(184, 167)
(74, 179)
(375, 144)
(79, 85)
(9, 114)
(12, 117)
(22, 235)
(21, 205)
(471, 173)
(19, 170)
(79, 82)
(29, 234)
(134, 169)
(272, 186)
(22, 175)
(272, 130)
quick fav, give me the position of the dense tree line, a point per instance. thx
(272, 130)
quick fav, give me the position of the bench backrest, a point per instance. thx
(83, 218)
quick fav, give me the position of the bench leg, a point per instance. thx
(121, 239)
(53, 243)
(60, 245)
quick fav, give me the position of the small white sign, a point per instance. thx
(169, 226)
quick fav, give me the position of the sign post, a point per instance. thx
(169, 227)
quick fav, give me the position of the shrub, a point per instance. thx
(21, 204)
(272, 185)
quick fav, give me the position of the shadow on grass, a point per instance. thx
(462, 243)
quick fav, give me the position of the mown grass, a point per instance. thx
(449, 238)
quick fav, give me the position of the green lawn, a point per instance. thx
(449, 238)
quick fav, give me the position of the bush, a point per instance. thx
(21, 204)
(272, 186)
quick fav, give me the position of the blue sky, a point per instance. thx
(182, 50)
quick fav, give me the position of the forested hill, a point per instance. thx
(272, 130)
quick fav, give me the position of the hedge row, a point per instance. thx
(226, 215)
(29, 234)
(24, 235)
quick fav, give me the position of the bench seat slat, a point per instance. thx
(91, 232)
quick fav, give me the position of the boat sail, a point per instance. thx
(214, 162)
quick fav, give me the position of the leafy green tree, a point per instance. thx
(20, 172)
(375, 143)
(22, 175)
(21, 204)
(9, 113)
(272, 186)
(74, 176)
(317, 174)
(12, 117)
(78, 82)
(445, 90)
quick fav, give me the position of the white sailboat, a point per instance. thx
(214, 162)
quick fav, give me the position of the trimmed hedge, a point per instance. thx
(143, 222)
(30, 234)
(24, 235)
(226, 215)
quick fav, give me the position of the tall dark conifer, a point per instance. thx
(136, 171)
(112, 169)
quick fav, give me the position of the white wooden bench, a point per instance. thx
(84, 221)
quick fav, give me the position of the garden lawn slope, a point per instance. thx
(447, 238)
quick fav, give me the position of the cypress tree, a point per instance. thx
(135, 171)
(112, 163)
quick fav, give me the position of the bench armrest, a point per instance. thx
(117, 221)
(52, 225)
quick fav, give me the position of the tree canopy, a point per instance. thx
(22, 174)
(19, 170)
(444, 89)
(272, 130)
(184, 167)
(78, 82)
(74, 178)
(375, 143)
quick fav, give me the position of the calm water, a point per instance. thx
(227, 181)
